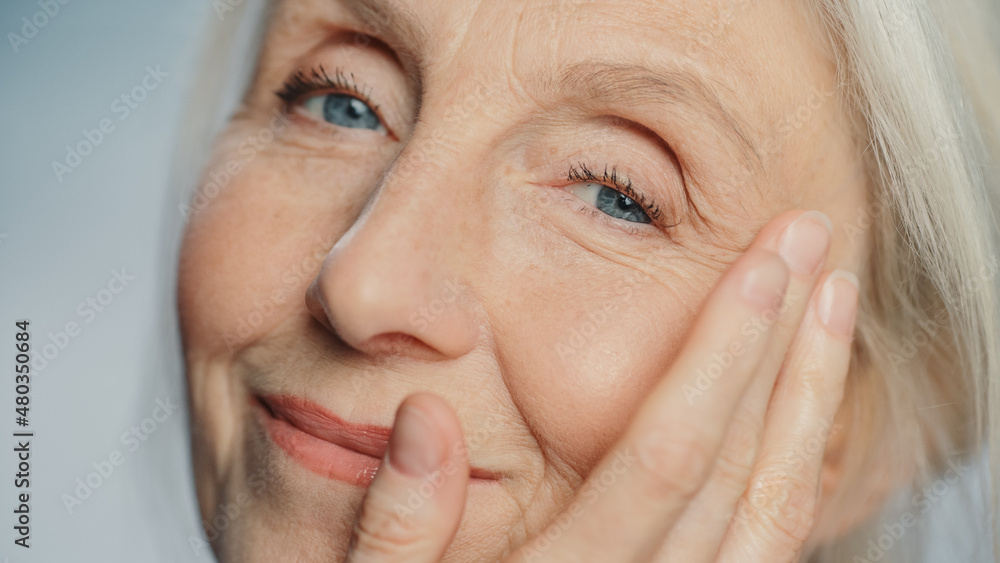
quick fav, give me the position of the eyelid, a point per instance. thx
(305, 84)
(622, 184)
(316, 79)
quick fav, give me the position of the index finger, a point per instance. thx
(642, 485)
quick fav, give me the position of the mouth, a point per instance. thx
(328, 445)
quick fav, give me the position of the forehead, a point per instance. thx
(736, 34)
(745, 61)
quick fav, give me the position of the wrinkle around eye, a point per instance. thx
(610, 250)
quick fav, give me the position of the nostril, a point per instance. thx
(398, 344)
(314, 304)
(383, 304)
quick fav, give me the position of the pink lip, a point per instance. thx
(326, 444)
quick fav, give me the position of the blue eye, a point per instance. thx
(344, 111)
(611, 202)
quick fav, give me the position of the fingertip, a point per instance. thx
(441, 424)
(416, 448)
(769, 236)
(838, 302)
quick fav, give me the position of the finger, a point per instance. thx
(802, 239)
(413, 506)
(636, 492)
(775, 516)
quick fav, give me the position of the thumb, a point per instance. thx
(412, 508)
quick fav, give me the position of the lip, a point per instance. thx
(326, 444)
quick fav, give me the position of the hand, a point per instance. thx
(710, 469)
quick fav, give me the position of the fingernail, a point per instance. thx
(765, 284)
(804, 243)
(414, 448)
(838, 302)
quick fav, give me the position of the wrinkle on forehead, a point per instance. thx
(638, 84)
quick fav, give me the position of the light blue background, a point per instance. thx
(61, 241)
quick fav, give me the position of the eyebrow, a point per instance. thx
(598, 81)
(612, 83)
(396, 25)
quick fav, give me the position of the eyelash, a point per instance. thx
(316, 80)
(303, 83)
(611, 178)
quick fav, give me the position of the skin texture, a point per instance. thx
(327, 264)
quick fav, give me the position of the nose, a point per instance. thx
(394, 283)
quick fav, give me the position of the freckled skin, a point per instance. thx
(564, 317)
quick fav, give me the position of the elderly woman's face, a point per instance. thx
(517, 206)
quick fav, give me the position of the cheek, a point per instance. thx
(583, 347)
(250, 254)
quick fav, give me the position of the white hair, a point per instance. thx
(922, 77)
